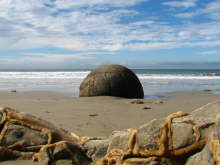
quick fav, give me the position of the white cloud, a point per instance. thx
(113, 47)
(211, 52)
(181, 3)
(211, 10)
(186, 15)
(151, 46)
(116, 3)
(57, 57)
(32, 24)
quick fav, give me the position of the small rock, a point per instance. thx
(146, 108)
(13, 91)
(136, 101)
(93, 115)
(207, 90)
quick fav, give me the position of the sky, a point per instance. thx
(74, 34)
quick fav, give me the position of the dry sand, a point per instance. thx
(99, 116)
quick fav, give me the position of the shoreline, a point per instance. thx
(69, 92)
(99, 116)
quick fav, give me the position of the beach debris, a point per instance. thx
(137, 101)
(147, 108)
(207, 90)
(158, 102)
(13, 91)
(93, 115)
(154, 101)
(112, 80)
(178, 139)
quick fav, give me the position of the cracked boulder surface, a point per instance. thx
(178, 139)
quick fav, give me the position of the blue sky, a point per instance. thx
(68, 34)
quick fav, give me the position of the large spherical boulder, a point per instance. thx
(112, 80)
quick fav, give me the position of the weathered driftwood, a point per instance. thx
(181, 138)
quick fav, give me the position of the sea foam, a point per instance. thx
(83, 74)
(71, 80)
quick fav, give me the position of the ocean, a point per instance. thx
(155, 82)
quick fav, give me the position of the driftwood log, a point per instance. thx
(179, 139)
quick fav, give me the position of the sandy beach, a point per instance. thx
(99, 116)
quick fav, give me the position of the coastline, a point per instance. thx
(99, 116)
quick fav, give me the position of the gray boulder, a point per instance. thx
(112, 80)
